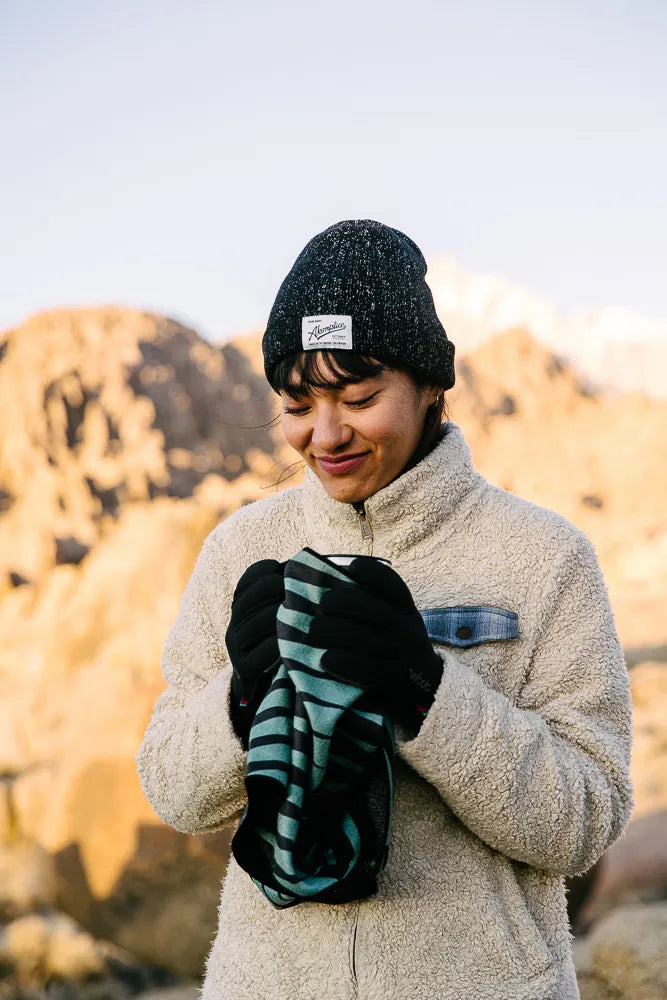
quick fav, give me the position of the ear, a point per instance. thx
(431, 393)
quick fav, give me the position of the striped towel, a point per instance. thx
(320, 766)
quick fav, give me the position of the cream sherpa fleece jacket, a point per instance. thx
(518, 776)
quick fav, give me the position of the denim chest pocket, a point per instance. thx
(469, 625)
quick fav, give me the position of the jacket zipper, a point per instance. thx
(353, 946)
(364, 523)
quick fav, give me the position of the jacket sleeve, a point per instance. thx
(191, 764)
(544, 780)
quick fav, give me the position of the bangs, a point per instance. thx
(298, 374)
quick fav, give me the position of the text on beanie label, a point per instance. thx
(331, 332)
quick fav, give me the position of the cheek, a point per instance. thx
(292, 432)
(398, 433)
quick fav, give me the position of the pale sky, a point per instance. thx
(177, 156)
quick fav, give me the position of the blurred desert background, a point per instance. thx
(162, 166)
(125, 438)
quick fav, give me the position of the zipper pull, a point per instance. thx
(366, 530)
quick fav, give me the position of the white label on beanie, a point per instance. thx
(331, 332)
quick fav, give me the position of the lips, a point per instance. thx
(341, 464)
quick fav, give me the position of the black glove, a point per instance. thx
(375, 637)
(251, 640)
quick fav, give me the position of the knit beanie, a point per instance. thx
(360, 286)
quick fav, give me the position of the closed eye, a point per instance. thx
(358, 403)
(296, 411)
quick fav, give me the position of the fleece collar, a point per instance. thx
(405, 511)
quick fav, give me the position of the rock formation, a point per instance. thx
(105, 408)
(626, 955)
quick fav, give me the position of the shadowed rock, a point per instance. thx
(70, 550)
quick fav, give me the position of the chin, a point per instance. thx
(345, 492)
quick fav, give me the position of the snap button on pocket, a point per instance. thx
(467, 625)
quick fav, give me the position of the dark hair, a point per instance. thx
(298, 373)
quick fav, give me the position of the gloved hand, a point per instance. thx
(375, 637)
(251, 640)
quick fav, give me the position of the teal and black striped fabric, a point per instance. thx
(320, 766)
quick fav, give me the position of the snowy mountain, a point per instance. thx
(613, 349)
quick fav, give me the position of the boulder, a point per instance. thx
(162, 905)
(37, 946)
(120, 872)
(27, 878)
(629, 951)
(590, 987)
(649, 750)
(634, 869)
(182, 991)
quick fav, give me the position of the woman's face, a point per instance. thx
(358, 438)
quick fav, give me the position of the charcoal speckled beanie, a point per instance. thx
(360, 286)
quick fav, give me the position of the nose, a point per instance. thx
(330, 432)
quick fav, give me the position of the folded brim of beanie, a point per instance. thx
(360, 286)
(320, 766)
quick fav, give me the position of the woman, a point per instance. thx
(508, 688)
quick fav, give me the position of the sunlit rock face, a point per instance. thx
(106, 407)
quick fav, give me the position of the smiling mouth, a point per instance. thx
(340, 458)
(341, 463)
